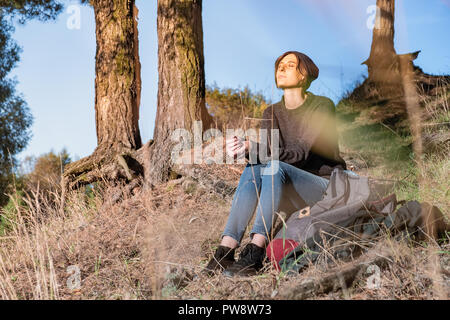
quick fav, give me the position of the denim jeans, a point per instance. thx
(272, 187)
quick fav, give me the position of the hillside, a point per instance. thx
(152, 244)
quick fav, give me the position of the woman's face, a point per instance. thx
(288, 76)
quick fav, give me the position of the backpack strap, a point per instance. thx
(384, 205)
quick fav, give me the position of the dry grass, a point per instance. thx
(102, 242)
(412, 273)
(131, 250)
(153, 244)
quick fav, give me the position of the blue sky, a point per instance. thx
(242, 39)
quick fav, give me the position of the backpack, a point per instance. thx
(349, 216)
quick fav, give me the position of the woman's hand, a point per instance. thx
(236, 146)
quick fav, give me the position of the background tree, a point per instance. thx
(45, 172)
(181, 85)
(383, 63)
(181, 94)
(24, 10)
(37, 181)
(235, 108)
(15, 117)
(381, 97)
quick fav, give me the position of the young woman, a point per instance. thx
(308, 153)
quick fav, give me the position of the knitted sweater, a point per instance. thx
(308, 137)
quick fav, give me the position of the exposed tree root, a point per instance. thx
(115, 164)
(132, 168)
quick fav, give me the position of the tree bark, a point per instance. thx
(181, 86)
(117, 96)
(117, 82)
(384, 63)
(381, 63)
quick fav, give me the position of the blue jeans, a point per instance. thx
(272, 187)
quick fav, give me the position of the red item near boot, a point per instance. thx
(278, 249)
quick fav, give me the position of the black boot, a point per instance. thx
(223, 258)
(250, 261)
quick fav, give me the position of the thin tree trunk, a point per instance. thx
(181, 87)
(382, 63)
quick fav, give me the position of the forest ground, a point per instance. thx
(154, 243)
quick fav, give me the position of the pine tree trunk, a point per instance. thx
(117, 95)
(181, 87)
(383, 64)
(117, 84)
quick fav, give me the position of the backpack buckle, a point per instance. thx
(304, 212)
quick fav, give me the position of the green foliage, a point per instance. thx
(379, 145)
(24, 10)
(38, 179)
(46, 170)
(385, 151)
(15, 116)
(8, 214)
(229, 107)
